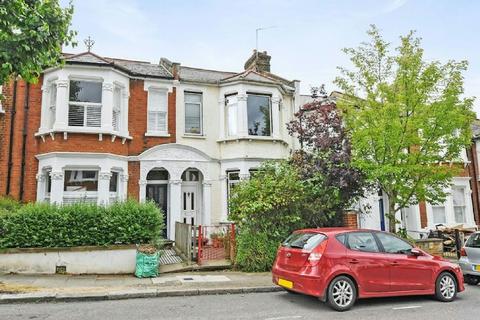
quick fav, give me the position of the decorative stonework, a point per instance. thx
(176, 182)
(40, 177)
(62, 83)
(104, 175)
(276, 100)
(57, 175)
(124, 177)
(107, 86)
(242, 97)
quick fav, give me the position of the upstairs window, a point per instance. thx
(231, 103)
(85, 104)
(52, 103)
(157, 111)
(117, 107)
(193, 113)
(458, 196)
(259, 115)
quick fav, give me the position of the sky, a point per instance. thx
(305, 42)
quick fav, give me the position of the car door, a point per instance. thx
(407, 272)
(367, 262)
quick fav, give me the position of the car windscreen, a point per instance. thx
(304, 240)
(473, 241)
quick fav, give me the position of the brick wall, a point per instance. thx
(134, 176)
(350, 219)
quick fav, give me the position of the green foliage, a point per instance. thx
(405, 117)
(9, 204)
(45, 225)
(31, 36)
(256, 250)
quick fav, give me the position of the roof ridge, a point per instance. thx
(211, 70)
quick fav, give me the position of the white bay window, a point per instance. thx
(80, 186)
(117, 107)
(52, 104)
(85, 104)
(259, 115)
(458, 197)
(157, 115)
(231, 103)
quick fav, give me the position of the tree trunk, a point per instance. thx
(391, 217)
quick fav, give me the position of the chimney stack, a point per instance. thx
(258, 61)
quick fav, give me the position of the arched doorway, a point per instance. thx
(191, 197)
(157, 191)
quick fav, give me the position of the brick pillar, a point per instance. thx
(133, 190)
(423, 214)
(350, 219)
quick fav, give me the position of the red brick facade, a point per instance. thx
(75, 142)
(350, 220)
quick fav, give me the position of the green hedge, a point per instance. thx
(45, 225)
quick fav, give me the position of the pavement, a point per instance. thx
(264, 306)
(16, 288)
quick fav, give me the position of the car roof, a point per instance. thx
(335, 230)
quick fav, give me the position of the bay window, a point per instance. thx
(80, 186)
(439, 216)
(117, 107)
(85, 104)
(231, 103)
(52, 105)
(113, 187)
(259, 115)
(193, 113)
(458, 197)
(157, 111)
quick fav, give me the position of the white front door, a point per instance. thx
(190, 203)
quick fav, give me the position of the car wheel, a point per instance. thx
(341, 294)
(472, 280)
(446, 287)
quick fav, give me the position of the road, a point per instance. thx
(265, 306)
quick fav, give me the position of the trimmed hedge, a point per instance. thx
(45, 225)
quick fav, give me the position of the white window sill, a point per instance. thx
(193, 136)
(157, 134)
(251, 139)
(86, 130)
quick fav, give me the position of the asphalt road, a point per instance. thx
(266, 306)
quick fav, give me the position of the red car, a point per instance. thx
(340, 265)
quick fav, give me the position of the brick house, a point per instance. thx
(103, 129)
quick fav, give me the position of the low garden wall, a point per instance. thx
(113, 259)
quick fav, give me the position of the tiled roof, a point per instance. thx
(135, 68)
(203, 75)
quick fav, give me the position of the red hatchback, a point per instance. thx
(339, 265)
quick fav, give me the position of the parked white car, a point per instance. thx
(470, 259)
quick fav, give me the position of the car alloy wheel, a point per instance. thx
(342, 293)
(446, 287)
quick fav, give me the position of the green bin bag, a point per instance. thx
(147, 265)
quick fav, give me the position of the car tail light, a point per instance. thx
(317, 253)
(463, 253)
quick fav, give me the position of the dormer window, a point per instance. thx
(259, 115)
(85, 104)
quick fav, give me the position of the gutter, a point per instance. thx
(10, 142)
(26, 107)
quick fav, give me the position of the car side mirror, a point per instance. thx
(416, 252)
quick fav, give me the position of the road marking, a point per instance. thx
(408, 307)
(285, 318)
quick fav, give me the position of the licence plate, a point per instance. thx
(285, 283)
(477, 267)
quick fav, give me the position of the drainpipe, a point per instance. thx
(10, 142)
(26, 107)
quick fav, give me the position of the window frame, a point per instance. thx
(270, 106)
(117, 110)
(463, 206)
(382, 248)
(152, 109)
(81, 196)
(347, 242)
(231, 131)
(200, 107)
(85, 105)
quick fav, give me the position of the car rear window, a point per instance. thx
(304, 240)
(473, 241)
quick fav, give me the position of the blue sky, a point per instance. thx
(305, 44)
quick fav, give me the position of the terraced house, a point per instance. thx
(103, 129)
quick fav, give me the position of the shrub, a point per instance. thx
(9, 204)
(256, 251)
(46, 225)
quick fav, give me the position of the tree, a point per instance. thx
(324, 162)
(32, 33)
(407, 119)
